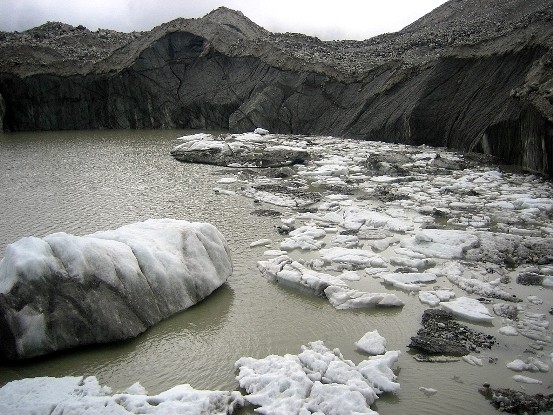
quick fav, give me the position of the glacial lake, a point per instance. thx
(80, 182)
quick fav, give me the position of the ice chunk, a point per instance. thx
(372, 343)
(317, 380)
(80, 395)
(468, 308)
(304, 238)
(408, 281)
(526, 379)
(345, 298)
(261, 131)
(106, 286)
(531, 364)
(446, 244)
(508, 331)
(353, 257)
(472, 360)
(285, 271)
(433, 298)
(261, 242)
(428, 391)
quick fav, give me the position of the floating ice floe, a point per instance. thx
(438, 243)
(343, 298)
(111, 285)
(372, 343)
(284, 270)
(428, 391)
(352, 257)
(435, 297)
(531, 365)
(84, 395)
(317, 380)
(261, 242)
(468, 308)
(305, 238)
(411, 281)
(412, 263)
(508, 331)
(261, 131)
(526, 379)
(472, 360)
(354, 218)
(453, 271)
(534, 326)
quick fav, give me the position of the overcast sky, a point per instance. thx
(342, 19)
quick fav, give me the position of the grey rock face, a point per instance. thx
(2, 113)
(469, 76)
(64, 291)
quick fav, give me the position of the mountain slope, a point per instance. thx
(471, 75)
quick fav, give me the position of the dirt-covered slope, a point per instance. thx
(470, 75)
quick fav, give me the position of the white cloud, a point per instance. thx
(347, 19)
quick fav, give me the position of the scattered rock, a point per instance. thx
(441, 335)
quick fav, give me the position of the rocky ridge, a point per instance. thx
(470, 76)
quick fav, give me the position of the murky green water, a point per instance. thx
(81, 182)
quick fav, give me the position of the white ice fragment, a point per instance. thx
(525, 379)
(305, 238)
(434, 297)
(372, 343)
(261, 131)
(317, 381)
(274, 252)
(284, 270)
(261, 242)
(412, 263)
(508, 331)
(357, 257)
(347, 298)
(408, 281)
(531, 364)
(83, 395)
(472, 360)
(438, 243)
(468, 308)
(227, 180)
(428, 391)
(196, 137)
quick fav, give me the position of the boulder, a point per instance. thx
(64, 291)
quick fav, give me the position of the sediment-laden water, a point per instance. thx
(82, 182)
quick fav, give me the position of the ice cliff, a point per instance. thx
(471, 75)
(63, 291)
